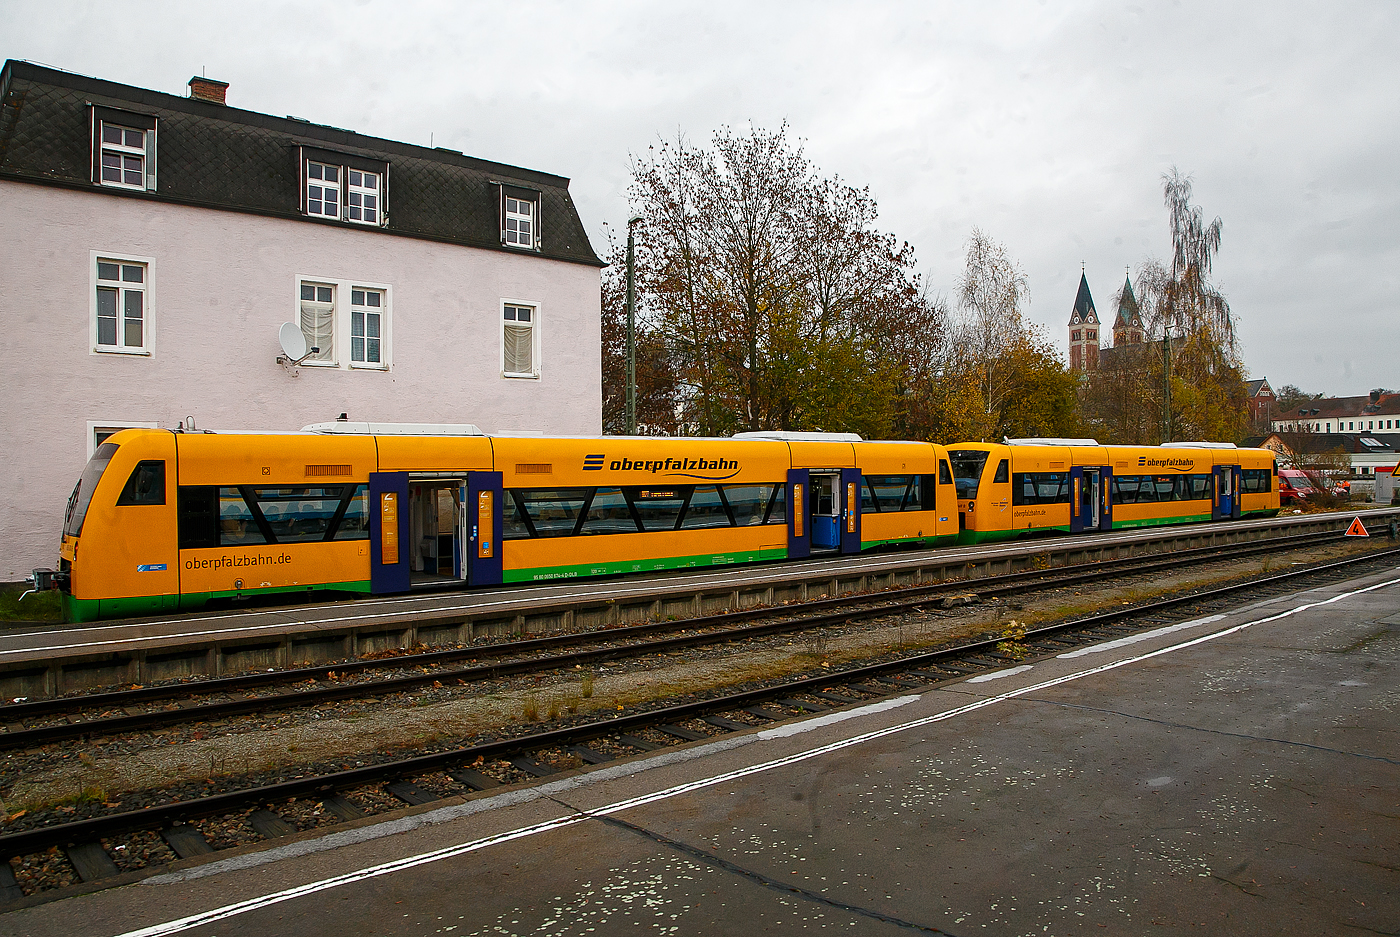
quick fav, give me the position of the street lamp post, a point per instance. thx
(631, 328)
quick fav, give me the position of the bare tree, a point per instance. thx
(990, 293)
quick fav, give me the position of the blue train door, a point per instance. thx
(388, 532)
(850, 510)
(799, 483)
(482, 523)
(1076, 499)
(1223, 505)
(1106, 498)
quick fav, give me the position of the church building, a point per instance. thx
(1083, 331)
(1128, 329)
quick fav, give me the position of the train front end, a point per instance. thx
(118, 554)
(981, 474)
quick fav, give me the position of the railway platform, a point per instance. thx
(50, 660)
(1237, 773)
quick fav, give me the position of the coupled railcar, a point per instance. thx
(1018, 487)
(165, 520)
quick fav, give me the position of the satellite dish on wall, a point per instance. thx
(294, 349)
(293, 341)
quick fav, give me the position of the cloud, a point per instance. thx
(1047, 125)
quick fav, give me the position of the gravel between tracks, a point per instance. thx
(81, 778)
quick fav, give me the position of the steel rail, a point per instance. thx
(208, 712)
(892, 602)
(164, 815)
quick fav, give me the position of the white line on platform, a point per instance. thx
(398, 865)
(1134, 639)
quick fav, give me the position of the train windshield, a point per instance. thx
(81, 497)
(967, 470)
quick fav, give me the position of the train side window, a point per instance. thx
(197, 510)
(706, 509)
(238, 525)
(352, 521)
(146, 484)
(1040, 488)
(749, 503)
(945, 474)
(777, 507)
(1200, 487)
(300, 515)
(889, 493)
(609, 513)
(1255, 481)
(913, 499)
(659, 508)
(1003, 473)
(550, 513)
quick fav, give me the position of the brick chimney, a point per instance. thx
(207, 89)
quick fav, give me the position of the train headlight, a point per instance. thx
(971, 506)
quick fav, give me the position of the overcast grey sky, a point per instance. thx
(1046, 124)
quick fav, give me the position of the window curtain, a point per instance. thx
(317, 324)
(519, 349)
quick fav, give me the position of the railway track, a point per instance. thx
(420, 778)
(110, 712)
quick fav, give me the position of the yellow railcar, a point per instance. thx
(163, 520)
(1018, 487)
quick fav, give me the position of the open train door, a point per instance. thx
(482, 525)
(388, 532)
(799, 485)
(850, 510)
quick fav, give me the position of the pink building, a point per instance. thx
(156, 243)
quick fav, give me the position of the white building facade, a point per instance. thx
(155, 244)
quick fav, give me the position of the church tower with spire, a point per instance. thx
(1083, 330)
(1128, 328)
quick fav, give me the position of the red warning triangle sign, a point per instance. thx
(1357, 529)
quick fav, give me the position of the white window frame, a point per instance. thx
(320, 184)
(533, 219)
(362, 191)
(341, 317)
(147, 346)
(326, 357)
(113, 426)
(123, 151)
(535, 336)
(382, 313)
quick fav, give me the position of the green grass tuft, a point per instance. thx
(41, 606)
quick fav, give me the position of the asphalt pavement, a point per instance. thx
(1237, 774)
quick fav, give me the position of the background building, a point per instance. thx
(154, 244)
(1083, 330)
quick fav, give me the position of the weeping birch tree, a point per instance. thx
(1179, 302)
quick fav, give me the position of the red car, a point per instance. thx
(1293, 486)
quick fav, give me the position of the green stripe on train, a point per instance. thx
(584, 570)
(80, 610)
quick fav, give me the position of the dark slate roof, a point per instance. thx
(1083, 305)
(1253, 387)
(215, 156)
(1129, 316)
(1346, 408)
(1345, 442)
